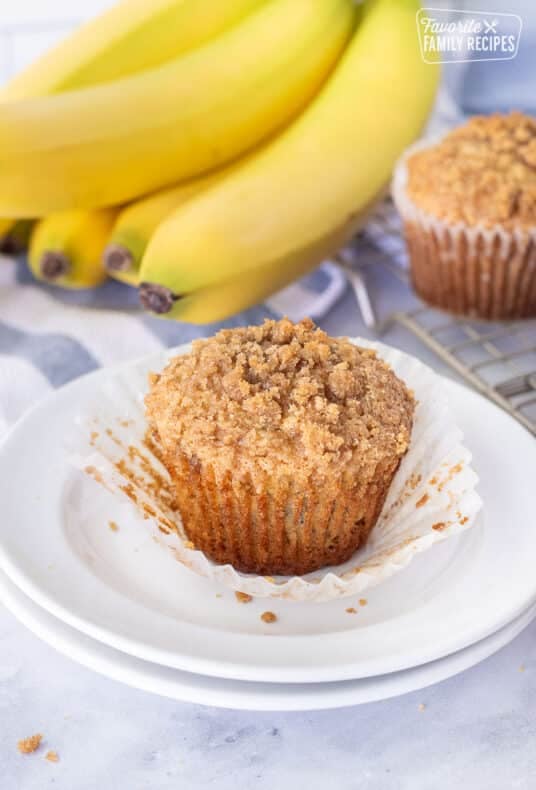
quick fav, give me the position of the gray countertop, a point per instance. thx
(478, 730)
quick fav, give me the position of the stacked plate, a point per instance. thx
(103, 592)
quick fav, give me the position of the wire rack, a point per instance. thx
(498, 359)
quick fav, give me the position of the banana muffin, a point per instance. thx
(469, 209)
(282, 443)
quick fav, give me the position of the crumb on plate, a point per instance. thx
(363, 602)
(351, 610)
(422, 501)
(422, 707)
(52, 756)
(243, 597)
(268, 617)
(113, 526)
(29, 745)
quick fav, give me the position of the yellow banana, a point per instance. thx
(5, 226)
(111, 143)
(301, 196)
(137, 222)
(228, 297)
(66, 248)
(14, 236)
(132, 36)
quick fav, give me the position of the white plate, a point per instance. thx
(122, 589)
(189, 687)
(115, 422)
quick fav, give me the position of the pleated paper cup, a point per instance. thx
(432, 496)
(270, 525)
(486, 273)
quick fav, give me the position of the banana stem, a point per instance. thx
(14, 237)
(118, 258)
(10, 245)
(54, 264)
(157, 298)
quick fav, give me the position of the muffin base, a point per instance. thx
(273, 528)
(488, 275)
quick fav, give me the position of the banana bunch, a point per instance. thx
(210, 153)
(134, 35)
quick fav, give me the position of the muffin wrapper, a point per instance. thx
(479, 272)
(432, 496)
(269, 525)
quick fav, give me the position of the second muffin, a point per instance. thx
(282, 443)
(469, 209)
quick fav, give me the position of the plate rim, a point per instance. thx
(347, 692)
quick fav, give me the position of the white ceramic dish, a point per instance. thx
(115, 425)
(189, 687)
(123, 590)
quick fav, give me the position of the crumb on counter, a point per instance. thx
(52, 756)
(243, 597)
(29, 745)
(422, 707)
(268, 617)
(522, 668)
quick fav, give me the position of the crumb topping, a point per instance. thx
(30, 744)
(482, 173)
(283, 396)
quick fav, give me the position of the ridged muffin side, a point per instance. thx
(282, 444)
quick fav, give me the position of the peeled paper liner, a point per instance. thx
(431, 498)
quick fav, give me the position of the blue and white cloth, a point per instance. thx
(49, 336)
